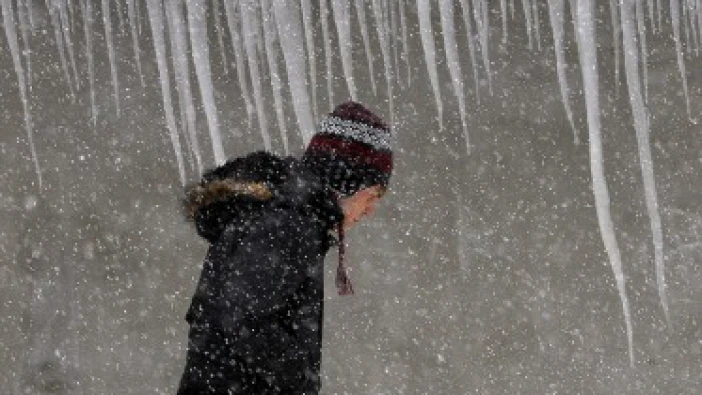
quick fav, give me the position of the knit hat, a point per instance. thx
(351, 151)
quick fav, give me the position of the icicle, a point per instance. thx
(556, 9)
(181, 61)
(699, 19)
(467, 15)
(137, 10)
(616, 31)
(526, 5)
(56, 23)
(451, 48)
(220, 34)
(120, 18)
(698, 7)
(87, 10)
(405, 42)
(393, 37)
(427, 35)
(11, 34)
(573, 7)
(135, 39)
(642, 40)
(269, 38)
(178, 54)
(694, 11)
(342, 19)
(503, 13)
(324, 14)
(693, 23)
(381, 27)
(651, 15)
(70, 15)
(481, 22)
(290, 33)
(588, 66)
(686, 25)
(692, 6)
(641, 124)
(309, 38)
(535, 17)
(30, 14)
(107, 21)
(238, 57)
(197, 26)
(155, 10)
(24, 29)
(258, 37)
(63, 14)
(659, 8)
(250, 31)
(360, 9)
(675, 17)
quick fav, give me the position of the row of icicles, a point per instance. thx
(272, 26)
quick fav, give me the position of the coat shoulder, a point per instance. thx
(256, 186)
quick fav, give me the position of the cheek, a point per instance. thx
(355, 211)
(361, 209)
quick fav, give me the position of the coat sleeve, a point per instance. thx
(268, 266)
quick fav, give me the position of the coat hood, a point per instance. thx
(241, 189)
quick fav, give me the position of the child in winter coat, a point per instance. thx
(256, 315)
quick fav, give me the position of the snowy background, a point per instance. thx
(481, 273)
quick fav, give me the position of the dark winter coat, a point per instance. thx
(256, 315)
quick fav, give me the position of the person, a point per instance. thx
(256, 314)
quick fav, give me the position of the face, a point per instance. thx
(360, 204)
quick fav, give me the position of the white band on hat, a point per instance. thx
(376, 137)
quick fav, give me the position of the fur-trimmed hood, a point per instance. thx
(241, 189)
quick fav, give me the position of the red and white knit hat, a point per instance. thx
(352, 149)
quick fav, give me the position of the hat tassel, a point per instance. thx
(343, 283)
